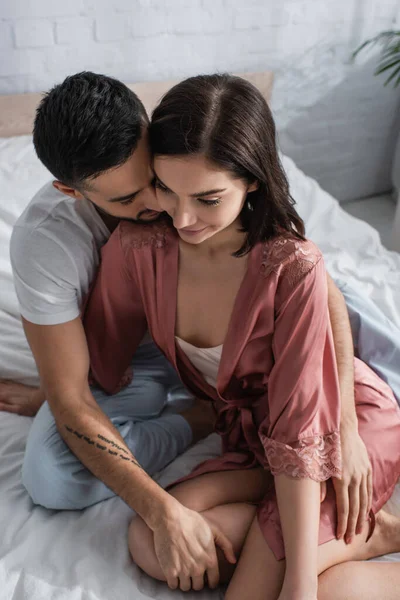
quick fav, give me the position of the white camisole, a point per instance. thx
(206, 360)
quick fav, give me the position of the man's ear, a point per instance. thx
(67, 190)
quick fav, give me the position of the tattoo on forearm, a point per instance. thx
(115, 447)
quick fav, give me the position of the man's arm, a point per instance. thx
(184, 541)
(62, 358)
(354, 489)
(344, 350)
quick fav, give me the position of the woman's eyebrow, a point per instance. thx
(197, 194)
(208, 193)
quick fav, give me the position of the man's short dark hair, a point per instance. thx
(86, 125)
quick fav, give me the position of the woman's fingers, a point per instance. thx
(342, 504)
(354, 510)
(370, 488)
(364, 501)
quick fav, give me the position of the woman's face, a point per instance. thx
(202, 199)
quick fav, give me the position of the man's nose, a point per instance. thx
(150, 199)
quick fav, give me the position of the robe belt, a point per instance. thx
(236, 426)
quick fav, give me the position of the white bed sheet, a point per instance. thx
(83, 555)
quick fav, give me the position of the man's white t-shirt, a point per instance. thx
(55, 253)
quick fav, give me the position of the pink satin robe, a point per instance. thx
(277, 395)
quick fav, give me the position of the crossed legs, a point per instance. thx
(226, 498)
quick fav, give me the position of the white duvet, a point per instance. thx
(45, 555)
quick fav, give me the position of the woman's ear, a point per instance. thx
(253, 187)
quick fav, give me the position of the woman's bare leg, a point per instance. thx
(260, 575)
(233, 519)
(223, 496)
(215, 489)
(360, 581)
(208, 495)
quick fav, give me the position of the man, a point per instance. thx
(84, 447)
(90, 132)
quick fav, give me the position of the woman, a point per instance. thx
(235, 297)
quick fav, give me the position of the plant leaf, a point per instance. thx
(392, 76)
(384, 67)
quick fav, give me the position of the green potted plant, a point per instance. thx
(389, 64)
(389, 61)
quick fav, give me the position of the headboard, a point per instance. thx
(17, 112)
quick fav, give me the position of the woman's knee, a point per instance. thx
(334, 582)
(141, 548)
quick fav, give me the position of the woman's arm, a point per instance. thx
(301, 435)
(299, 506)
(354, 489)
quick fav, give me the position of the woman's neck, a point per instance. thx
(225, 242)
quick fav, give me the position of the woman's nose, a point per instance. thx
(182, 217)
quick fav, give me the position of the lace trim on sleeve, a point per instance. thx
(317, 457)
(294, 257)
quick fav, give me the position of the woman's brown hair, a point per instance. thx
(226, 119)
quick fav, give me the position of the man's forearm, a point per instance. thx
(344, 350)
(98, 445)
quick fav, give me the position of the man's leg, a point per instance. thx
(376, 339)
(55, 478)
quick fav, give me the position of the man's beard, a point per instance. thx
(141, 217)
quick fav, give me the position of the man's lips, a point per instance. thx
(148, 214)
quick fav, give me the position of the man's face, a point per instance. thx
(125, 192)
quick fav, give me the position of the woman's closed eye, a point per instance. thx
(213, 202)
(160, 186)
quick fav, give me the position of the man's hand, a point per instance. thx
(354, 489)
(185, 545)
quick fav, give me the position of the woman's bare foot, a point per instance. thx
(386, 536)
(20, 399)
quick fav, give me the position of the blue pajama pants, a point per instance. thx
(145, 414)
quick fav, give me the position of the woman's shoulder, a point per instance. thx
(139, 236)
(289, 257)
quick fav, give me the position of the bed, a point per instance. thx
(83, 555)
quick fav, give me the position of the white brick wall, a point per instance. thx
(334, 118)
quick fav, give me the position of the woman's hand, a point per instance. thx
(354, 489)
(185, 545)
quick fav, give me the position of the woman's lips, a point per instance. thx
(192, 231)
